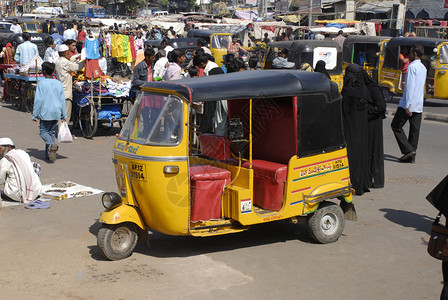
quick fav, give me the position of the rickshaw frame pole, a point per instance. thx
(250, 133)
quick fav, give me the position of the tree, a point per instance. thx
(130, 5)
(133, 5)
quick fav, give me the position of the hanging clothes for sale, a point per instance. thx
(125, 45)
(119, 43)
(102, 41)
(92, 46)
(132, 45)
(127, 53)
(91, 52)
(93, 69)
(113, 45)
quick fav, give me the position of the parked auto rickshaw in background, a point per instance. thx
(435, 60)
(365, 51)
(28, 25)
(218, 42)
(309, 51)
(290, 31)
(284, 158)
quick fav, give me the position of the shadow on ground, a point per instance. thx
(162, 245)
(391, 158)
(409, 219)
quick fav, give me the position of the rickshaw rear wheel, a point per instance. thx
(326, 223)
(388, 96)
(118, 241)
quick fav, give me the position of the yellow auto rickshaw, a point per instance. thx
(283, 158)
(435, 60)
(218, 42)
(365, 51)
(309, 51)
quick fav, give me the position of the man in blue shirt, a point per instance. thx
(26, 51)
(57, 38)
(49, 108)
(410, 107)
(61, 28)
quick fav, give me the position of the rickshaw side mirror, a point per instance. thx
(435, 50)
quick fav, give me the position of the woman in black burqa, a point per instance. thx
(321, 68)
(355, 98)
(376, 112)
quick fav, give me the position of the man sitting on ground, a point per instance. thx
(17, 174)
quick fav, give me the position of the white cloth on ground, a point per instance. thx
(17, 174)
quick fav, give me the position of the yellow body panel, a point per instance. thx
(121, 214)
(339, 80)
(162, 199)
(218, 53)
(390, 78)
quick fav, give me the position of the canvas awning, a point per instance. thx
(377, 7)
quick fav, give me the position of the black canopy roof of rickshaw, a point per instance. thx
(304, 45)
(367, 39)
(411, 41)
(246, 84)
(359, 39)
(201, 33)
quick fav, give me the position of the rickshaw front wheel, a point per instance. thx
(327, 223)
(118, 241)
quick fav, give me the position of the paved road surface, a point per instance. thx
(52, 254)
(433, 106)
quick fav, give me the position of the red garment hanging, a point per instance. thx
(133, 51)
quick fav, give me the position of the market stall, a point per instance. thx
(104, 100)
(20, 89)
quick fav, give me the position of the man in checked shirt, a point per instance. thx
(235, 47)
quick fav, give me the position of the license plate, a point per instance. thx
(137, 172)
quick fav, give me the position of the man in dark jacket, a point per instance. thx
(143, 71)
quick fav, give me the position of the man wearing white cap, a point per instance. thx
(64, 69)
(17, 174)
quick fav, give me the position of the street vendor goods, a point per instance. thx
(286, 160)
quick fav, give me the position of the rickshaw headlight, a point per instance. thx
(111, 200)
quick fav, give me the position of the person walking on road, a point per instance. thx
(410, 107)
(49, 108)
(64, 69)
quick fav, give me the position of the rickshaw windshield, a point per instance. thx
(443, 58)
(30, 26)
(155, 119)
(221, 41)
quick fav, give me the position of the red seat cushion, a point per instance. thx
(215, 146)
(268, 170)
(207, 185)
(207, 172)
(269, 183)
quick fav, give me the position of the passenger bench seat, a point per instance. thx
(269, 183)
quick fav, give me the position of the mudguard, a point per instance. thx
(121, 214)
